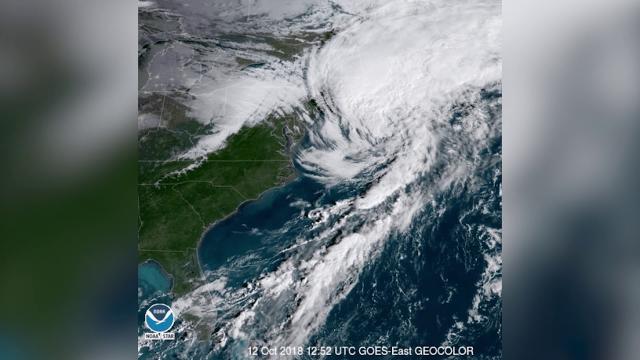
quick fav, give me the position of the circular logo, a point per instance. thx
(159, 318)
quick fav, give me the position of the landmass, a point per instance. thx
(177, 204)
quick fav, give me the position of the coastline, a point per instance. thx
(292, 140)
(292, 178)
(164, 272)
(171, 277)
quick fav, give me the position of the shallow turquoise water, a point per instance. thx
(152, 279)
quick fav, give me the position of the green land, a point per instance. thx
(176, 207)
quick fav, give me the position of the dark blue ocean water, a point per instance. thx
(263, 227)
(419, 291)
(425, 280)
(422, 283)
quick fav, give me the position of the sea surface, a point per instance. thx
(391, 235)
(259, 230)
(152, 279)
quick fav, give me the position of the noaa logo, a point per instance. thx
(159, 318)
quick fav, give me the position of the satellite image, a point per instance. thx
(320, 179)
